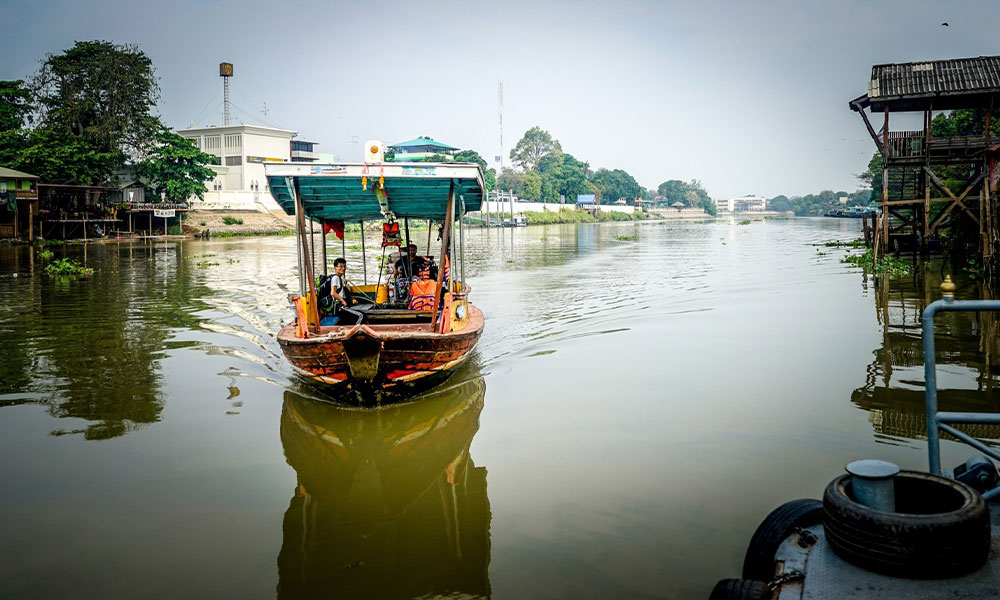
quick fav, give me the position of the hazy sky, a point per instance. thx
(748, 97)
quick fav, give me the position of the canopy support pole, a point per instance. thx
(448, 217)
(364, 257)
(301, 225)
(312, 243)
(298, 248)
(406, 264)
(323, 238)
(461, 239)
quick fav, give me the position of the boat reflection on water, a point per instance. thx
(967, 356)
(389, 503)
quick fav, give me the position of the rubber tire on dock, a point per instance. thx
(942, 528)
(778, 525)
(740, 589)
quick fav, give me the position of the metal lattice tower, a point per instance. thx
(225, 71)
(225, 101)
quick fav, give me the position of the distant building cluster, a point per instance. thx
(741, 204)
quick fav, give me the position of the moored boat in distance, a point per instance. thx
(401, 346)
(852, 212)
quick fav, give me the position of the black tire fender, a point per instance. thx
(740, 589)
(776, 526)
(940, 529)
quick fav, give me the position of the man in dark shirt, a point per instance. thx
(409, 265)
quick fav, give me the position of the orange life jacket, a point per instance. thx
(390, 235)
(422, 293)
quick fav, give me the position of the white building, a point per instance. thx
(741, 204)
(241, 151)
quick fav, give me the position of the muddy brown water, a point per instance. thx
(644, 393)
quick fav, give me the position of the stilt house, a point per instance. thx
(913, 160)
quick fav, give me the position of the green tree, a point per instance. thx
(470, 156)
(780, 204)
(672, 191)
(530, 187)
(15, 105)
(530, 149)
(872, 177)
(176, 168)
(615, 184)
(59, 157)
(102, 92)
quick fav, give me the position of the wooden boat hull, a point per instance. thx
(376, 364)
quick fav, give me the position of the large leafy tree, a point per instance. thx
(530, 149)
(176, 168)
(616, 184)
(689, 193)
(101, 91)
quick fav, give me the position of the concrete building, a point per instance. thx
(241, 151)
(741, 204)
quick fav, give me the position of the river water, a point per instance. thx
(643, 395)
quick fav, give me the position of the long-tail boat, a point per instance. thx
(394, 352)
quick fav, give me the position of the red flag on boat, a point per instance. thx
(334, 226)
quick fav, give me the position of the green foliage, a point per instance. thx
(15, 105)
(100, 91)
(58, 157)
(175, 168)
(889, 265)
(565, 215)
(745, 222)
(530, 149)
(390, 155)
(872, 177)
(45, 254)
(228, 220)
(689, 193)
(812, 205)
(94, 104)
(615, 184)
(65, 267)
(205, 264)
(174, 229)
(627, 238)
(855, 243)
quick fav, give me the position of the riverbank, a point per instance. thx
(237, 223)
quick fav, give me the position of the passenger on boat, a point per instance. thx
(341, 295)
(409, 265)
(422, 290)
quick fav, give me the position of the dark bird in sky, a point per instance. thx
(945, 24)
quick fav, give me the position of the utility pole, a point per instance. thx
(354, 152)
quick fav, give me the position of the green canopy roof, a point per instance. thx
(423, 142)
(335, 192)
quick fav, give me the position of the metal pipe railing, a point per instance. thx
(938, 421)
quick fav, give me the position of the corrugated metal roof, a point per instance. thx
(5, 172)
(939, 77)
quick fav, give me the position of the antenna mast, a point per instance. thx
(225, 71)
(500, 114)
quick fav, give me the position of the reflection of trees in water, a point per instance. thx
(90, 349)
(893, 392)
(389, 502)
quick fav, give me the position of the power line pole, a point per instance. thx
(354, 152)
